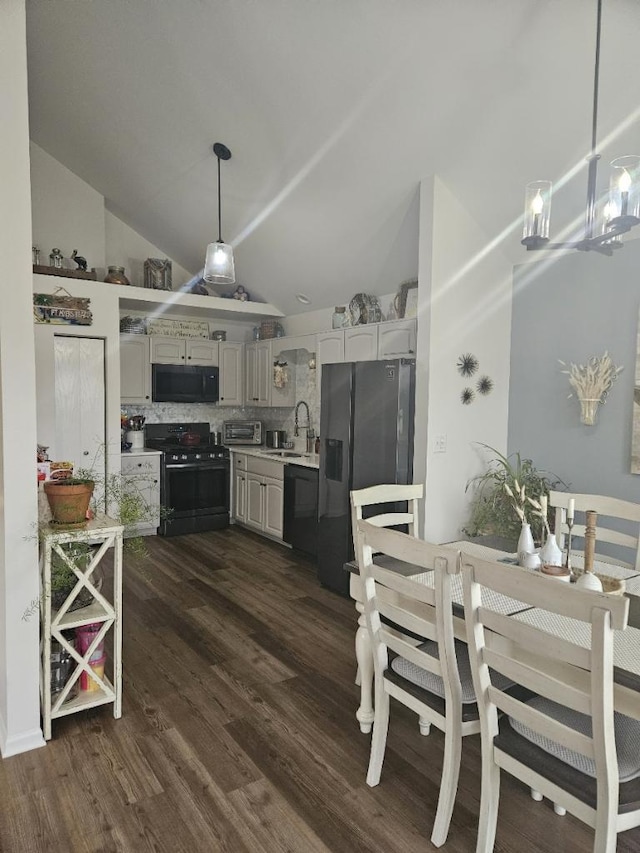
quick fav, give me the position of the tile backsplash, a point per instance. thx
(272, 418)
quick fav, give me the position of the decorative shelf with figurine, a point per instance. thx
(86, 274)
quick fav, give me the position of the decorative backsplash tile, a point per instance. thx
(272, 418)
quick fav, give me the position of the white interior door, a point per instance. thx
(80, 402)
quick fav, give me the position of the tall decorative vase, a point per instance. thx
(550, 554)
(526, 544)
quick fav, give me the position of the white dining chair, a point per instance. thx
(381, 505)
(424, 676)
(562, 740)
(608, 509)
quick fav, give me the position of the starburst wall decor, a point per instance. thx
(467, 364)
(484, 385)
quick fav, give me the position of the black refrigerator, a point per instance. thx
(366, 433)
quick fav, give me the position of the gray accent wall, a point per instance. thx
(571, 308)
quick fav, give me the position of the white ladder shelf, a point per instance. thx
(106, 533)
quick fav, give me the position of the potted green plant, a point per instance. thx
(506, 495)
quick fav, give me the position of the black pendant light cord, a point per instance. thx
(219, 207)
(222, 153)
(590, 217)
(596, 80)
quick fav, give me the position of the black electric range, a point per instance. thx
(194, 478)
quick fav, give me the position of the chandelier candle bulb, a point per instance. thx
(571, 509)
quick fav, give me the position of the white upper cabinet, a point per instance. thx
(135, 370)
(231, 374)
(192, 351)
(361, 343)
(202, 351)
(330, 347)
(397, 339)
(260, 388)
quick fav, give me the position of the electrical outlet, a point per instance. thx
(440, 444)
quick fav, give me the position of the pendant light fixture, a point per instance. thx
(218, 266)
(618, 215)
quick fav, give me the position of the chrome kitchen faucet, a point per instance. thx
(307, 426)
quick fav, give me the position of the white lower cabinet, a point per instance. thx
(258, 500)
(141, 478)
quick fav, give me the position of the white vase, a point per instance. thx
(550, 554)
(526, 544)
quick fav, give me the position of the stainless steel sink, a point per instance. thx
(287, 453)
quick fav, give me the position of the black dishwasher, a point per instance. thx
(301, 508)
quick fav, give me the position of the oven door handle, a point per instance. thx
(202, 466)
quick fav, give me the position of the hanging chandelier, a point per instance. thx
(602, 227)
(218, 266)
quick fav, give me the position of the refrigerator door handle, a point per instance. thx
(401, 421)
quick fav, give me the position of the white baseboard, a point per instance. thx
(23, 742)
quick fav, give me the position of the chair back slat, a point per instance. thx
(608, 509)
(411, 652)
(530, 637)
(538, 591)
(408, 549)
(543, 723)
(386, 493)
(390, 580)
(423, 625)
(577, 698)
(391, 519)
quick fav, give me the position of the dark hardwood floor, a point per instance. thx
(238, 731)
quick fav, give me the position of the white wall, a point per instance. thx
(70, 214)
(468, 305)
(19, 584)
(126, 248)
(106, 324)
(67, 212)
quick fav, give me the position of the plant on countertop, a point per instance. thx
(502, 497)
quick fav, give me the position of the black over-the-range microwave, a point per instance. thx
(177, 383)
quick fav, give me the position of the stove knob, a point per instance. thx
(198, 456)
(184, 456)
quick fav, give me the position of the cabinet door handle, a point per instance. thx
(139, 464)
(182, 357)
(155, 482)
(189, 358)
(147, 397)
(85, 453)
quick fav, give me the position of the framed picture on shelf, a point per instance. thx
(407, 299)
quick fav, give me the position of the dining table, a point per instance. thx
(626, 643)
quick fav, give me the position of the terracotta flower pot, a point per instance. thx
(69, 502)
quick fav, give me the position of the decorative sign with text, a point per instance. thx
(61, 309)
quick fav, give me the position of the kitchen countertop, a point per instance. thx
(139, 451)
(307, 460)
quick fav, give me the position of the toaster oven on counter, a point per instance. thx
(242, 432)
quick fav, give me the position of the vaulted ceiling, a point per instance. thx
(333, 110)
